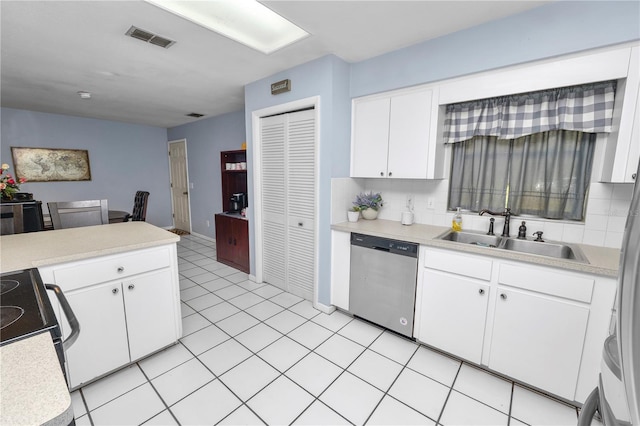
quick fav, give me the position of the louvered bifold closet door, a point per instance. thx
(273, 196)
(301, 202)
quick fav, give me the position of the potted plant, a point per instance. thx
(8, 185)
(368, 203)
(353, 214)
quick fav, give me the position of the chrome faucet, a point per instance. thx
(507, 217)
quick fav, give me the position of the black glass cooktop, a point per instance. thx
(25, 309)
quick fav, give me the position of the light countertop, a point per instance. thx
(602, 261)
(32, 388)
(34, 249)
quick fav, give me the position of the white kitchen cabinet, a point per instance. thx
(392, 133)
(453, 313)
(340, 268)
(128, 306)
(538, 339)
(102, 343)
(539, 325)
(622, 152)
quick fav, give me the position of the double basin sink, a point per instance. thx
(553, 249)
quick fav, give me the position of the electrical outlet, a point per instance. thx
(430, 202)
(208, 224)
(410, 202)
(191, 185)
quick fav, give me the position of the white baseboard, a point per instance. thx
(327, 309)
(252, 278)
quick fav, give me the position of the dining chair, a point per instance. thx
(11, 219)
(139, 212)
(73, 214)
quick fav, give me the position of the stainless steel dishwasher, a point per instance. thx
(382, 286)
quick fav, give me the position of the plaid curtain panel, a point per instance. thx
(586, 108)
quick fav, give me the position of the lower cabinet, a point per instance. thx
(541, 326)
(454, 314)
(538, 339)
(128, 306)
(232, 241)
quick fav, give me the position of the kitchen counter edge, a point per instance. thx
(35, 249)
(602, 261)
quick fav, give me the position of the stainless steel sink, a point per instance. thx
(554, 249)
(468, 237)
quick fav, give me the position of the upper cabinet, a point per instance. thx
(623, 145)
(394, 135)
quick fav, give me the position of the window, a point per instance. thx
(531, 152)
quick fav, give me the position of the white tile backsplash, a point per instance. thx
(607, 209)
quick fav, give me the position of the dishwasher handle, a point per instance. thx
(68, 312)
(386, 249)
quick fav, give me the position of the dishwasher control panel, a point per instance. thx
(385, 244)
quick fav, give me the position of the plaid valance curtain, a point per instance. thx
(586, 108)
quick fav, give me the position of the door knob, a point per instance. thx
(120, 269)
(185, 193)
(633, 176)
(503, 296)
(381, 173)
(481, 291)
(114, 291)
(390, 174)
(131, 287)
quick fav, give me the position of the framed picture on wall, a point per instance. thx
(50, 164)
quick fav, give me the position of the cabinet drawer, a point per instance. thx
(461, 264)
(561, 284)
(110, 268)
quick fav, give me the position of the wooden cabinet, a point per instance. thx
(128, 306)
(392, 135)
(234, 176)
(232, 241)
(622, 152)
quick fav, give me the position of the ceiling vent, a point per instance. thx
(194, 115)
(148, 37)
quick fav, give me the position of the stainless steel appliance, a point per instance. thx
(617, 396)
(26, 311)
(237, 202)
(382, 286)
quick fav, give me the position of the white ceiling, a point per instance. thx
(53, 49)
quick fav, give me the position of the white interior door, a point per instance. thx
(179, 184)
(288, 163)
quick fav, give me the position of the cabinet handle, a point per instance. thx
(503, 296)
(633, 176)
(131, 287)
(381, 173)
(234, 242)
(230, 241)
(120, 269)
(300, 224)
(390, 174)
(481, 291)
(114, 291)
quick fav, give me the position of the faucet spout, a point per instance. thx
(507, 218)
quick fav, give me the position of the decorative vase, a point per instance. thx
(8, 196)
(353, 216)
(369, 214)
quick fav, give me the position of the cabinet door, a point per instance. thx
(102, 342)
(370, 137)
(538, 340)
(453, 314)
(409, 128)
(149, 302)
(224, 239)
(241, 244)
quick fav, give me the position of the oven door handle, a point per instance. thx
(68, 312)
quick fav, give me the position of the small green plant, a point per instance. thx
(355, 209)
(368, 200)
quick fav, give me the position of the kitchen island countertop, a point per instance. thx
(602, 261)
(34, 249)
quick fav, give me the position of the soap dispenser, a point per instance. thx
(456, 223)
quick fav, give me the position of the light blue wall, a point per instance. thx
(328, 78)
(205, 139)
(551, 30)
(124, 158)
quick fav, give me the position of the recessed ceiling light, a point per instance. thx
(84, 95)
(245, 21)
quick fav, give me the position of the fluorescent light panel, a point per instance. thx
(245, 21)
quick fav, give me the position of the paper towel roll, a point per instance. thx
(407, 218)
